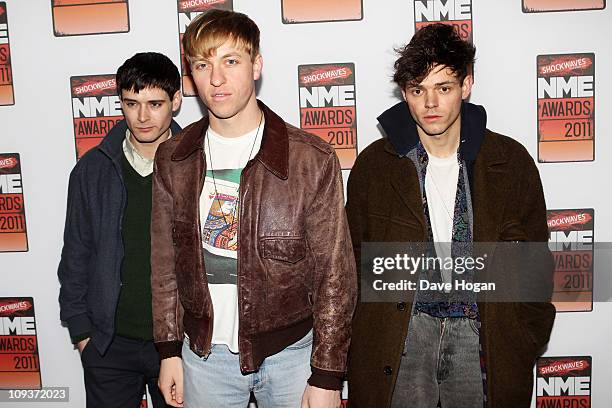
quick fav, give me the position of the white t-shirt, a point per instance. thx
(441, 189)
(219, 210)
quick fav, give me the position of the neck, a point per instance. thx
(444, 144)
(239, 124)
(147, 150)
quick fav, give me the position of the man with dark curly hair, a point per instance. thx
(441, 177)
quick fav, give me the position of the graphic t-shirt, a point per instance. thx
(220, 209)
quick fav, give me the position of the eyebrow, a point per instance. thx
(445, 83)
(436, 84)
(231, 54)
(149, 101)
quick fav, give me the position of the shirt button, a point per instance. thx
(388, 370)
(401, 306)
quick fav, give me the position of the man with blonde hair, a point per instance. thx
(253, 285)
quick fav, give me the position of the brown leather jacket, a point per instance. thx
(295, 265)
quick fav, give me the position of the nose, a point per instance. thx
(143, 113)
(431, 100)
(217, 78)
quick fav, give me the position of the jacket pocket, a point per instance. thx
(288, 271)
(290, 250)
(513, 231)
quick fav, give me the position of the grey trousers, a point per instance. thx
(440, 364)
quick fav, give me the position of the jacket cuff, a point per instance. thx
(329, 380)
(79, 325)
(167, 349)
(80, 337)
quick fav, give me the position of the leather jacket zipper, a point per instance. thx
(208, 343)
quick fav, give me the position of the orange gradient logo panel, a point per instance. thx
(566, 107)
(6, 74)
(13, 230)
(80, 17)
(19, 363)
(96, 108)
(328, 106)
(571, 243)
(187, 11)
(299, 11)
(539, 6)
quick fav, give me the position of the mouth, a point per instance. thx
(431, 118)
(218, 96)
(145, 129)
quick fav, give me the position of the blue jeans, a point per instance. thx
(441, 361)
(216, 381)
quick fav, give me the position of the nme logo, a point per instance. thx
(81, 17)
(3, 33)
(96, 108)
(17, 326)
(458, 13)
(187, 11)
(13, 230)
(7, 96)
(19, 362)
(566, 107)
(571, 243)
(328, 106)
(563, 382)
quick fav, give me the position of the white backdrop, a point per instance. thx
(39, 126)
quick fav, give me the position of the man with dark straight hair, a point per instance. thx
(441, 177)
(105, 271)
(253, 279)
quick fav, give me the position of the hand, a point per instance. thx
(170, 381)
(81, 344)
(315, 397)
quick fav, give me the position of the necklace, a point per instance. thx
(212, 171)
(433, 180)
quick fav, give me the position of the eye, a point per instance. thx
(198, 66)
(416, 91)
(156, 104)
(129, 104)
(231, 61)
(445, 89)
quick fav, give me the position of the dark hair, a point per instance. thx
(435, 44)
(148, 70)
(210, 30)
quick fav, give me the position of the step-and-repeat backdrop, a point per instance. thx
(327, 68)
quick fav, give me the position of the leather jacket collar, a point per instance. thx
(274, 151)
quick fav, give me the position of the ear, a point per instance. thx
(466, 87)
(176, 100)
(257, 67)
(404, 93)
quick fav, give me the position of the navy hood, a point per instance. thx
(401, 129)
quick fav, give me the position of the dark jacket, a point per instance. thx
(384, 204)
(295, 271)
(90, 267)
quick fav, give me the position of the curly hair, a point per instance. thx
(435, 44)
